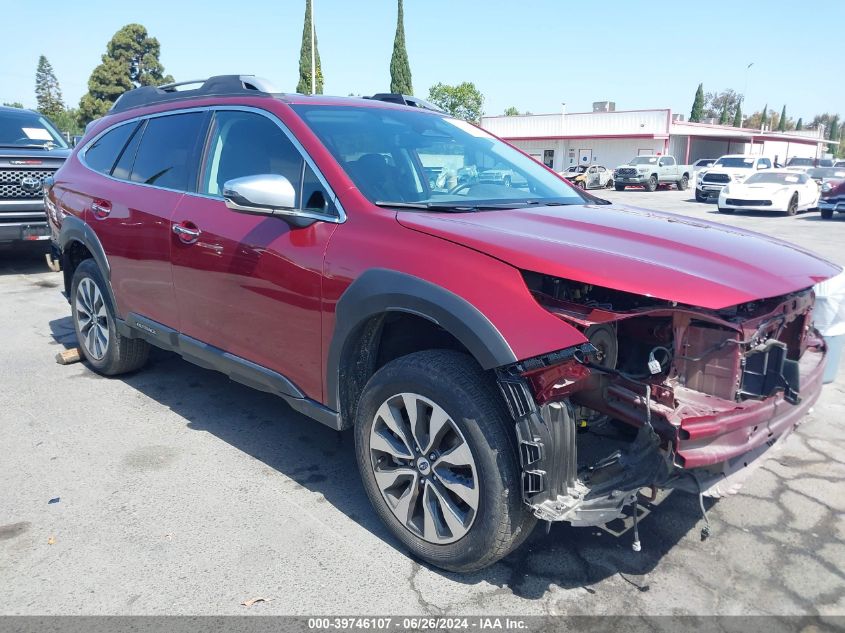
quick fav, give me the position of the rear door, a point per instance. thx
(130, 210)
(251, 284)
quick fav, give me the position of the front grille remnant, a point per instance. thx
(10, 183)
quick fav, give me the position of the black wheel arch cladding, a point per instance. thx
(380, 291)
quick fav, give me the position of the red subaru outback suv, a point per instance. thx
(371, 264)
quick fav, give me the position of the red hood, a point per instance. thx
(645, 252)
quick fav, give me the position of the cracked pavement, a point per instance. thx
(181, 492)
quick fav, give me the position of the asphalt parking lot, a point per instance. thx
(181, 492)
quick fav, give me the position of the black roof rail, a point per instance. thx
(408, 100)
(219, 86)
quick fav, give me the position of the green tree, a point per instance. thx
(738, 115)
(13, 104)
(697, 105)
(782, 122)
(48, 95)
(304, 85)
(764, 115)
(400, 69)
(800, 125)
(511, 111)
(131, 60)
(723, 117)
(68, 121)
(715, 104)
(463, 101)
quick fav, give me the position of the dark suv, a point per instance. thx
(31, 150)
(466, 330)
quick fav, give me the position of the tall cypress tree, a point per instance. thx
(697, 105)
(47, 91)
(738, 115)
(800, 124)
(304, 85)
(833, 133)
(764, 117)
(723, 117)
(400, 69)
(782, 124)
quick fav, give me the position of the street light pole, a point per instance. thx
(313, 54)
(745, 88)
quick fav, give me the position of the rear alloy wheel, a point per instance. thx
(792, 209)
(437, 454)
(651, 183)
(683, 183)
(105, 349)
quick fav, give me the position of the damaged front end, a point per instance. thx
(705, 392)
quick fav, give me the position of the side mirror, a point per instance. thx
(265, 194)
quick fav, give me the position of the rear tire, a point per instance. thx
(683, 183)
(106, 351)
(450, 384)
(827, 214)
(651, 183)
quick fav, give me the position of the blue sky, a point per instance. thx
(532, 54)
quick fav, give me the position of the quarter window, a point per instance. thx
(167, 154)
(103, 153)
(124, 163)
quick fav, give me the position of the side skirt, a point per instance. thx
(236, 368)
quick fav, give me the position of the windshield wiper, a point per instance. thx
(458, 207)
(47, 145)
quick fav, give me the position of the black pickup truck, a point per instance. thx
(31, 149)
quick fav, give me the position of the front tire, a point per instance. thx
(619, 187)
(437, 454)
(700, 197)
(651, 183)
(93, 316)
(609, 185)
(792, 209)
(827, 214)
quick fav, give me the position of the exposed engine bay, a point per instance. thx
(704, 392)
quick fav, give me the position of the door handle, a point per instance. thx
(100, 209)
(188, 233)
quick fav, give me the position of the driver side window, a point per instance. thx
(248, 144)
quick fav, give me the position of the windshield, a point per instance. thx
(773, 178)
(644, 160)
(826, 172)
(418, 158)
(735, 161)
(575, 169)
(706, 162)
(800, 162)
(22, 128)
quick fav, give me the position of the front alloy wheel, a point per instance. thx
(437, 453)
(424, 468)
(92, 319)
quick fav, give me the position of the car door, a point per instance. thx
(592, 177)
(130, 212)
(250, 285)
(604, 176)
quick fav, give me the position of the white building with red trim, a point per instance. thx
(612, 137)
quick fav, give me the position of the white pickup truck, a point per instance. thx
(650, 171)
(730, 168)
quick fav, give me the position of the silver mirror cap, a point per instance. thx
(264, 194)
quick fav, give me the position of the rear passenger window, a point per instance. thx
(248, 144)
(102, 155)
(124, 163)
(168, 151)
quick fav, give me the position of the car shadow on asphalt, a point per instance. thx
(322, 460)
(23, 259)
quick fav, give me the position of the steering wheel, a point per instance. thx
(460, 187)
